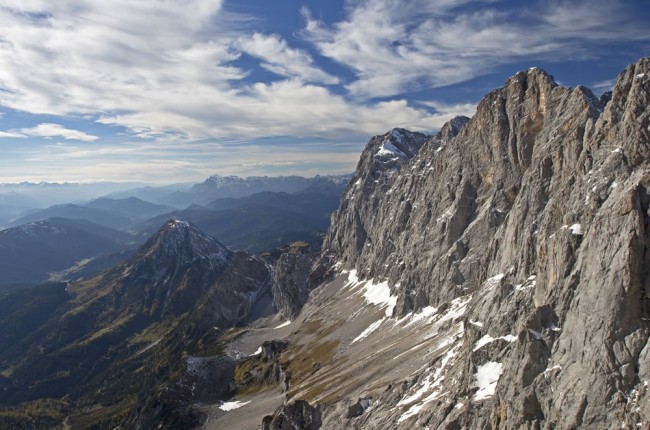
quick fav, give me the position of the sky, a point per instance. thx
(164, 91)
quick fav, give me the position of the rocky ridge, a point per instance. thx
(139, 344)
(522, 236)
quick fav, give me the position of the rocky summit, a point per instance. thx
(493, 276)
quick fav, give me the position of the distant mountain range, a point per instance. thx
(118, 214)
(217, 186)
(265, 220)
(93, 235)
(26, 202)
(32, 252)
(16, 198)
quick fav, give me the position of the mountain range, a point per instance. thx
(34, 252)
(69, 241)
(494, 275)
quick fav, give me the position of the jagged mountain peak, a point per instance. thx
(533, 76)
(399, 143)
(627, 113)
(168, 274)
(452, 127)
(178, 239)
(536, 217)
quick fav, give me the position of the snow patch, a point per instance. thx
(476, 323)
(230, 406)
(353, 279)
(494, 281)
(425, 313)
(431, 383)
(551, 369)
(372, 327)
(258, 351)
(576, 229)
(489, 339)
(389, 149)
(487, 376)
(284, 324)
(379, 295)
(456, 310)
(528, 283)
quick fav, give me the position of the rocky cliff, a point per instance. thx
(517, 241)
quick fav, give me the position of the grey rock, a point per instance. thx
(271, 350)
(297, 415)
(207, 378)
(538, 209)
(290, 279)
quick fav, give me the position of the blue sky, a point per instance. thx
(173, 91)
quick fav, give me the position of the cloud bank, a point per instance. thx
(181, 78)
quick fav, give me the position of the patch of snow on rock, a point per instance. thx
(457, 309)
(489, 339)
(529, 283)
(230, 406)
(284, 324)
(494, 281)
(353, 279)
(487, 376)
(576, 229)
(425, 314)
(431, 383)
(379, 295)
(389, 149)
(372, 327)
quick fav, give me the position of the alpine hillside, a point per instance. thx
(493, 276)
(136, 344)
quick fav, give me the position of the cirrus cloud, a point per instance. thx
(49, 130)
(395, 46)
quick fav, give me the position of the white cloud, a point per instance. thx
(603, 86)
(11, 135)
(466, 109)
(288, 107)
(165, 70)
(174, 72)
(49, 130)
(395, 46)
(279, 58)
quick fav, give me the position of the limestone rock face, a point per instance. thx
(290, 279)
(297, 415)
(535, 211)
